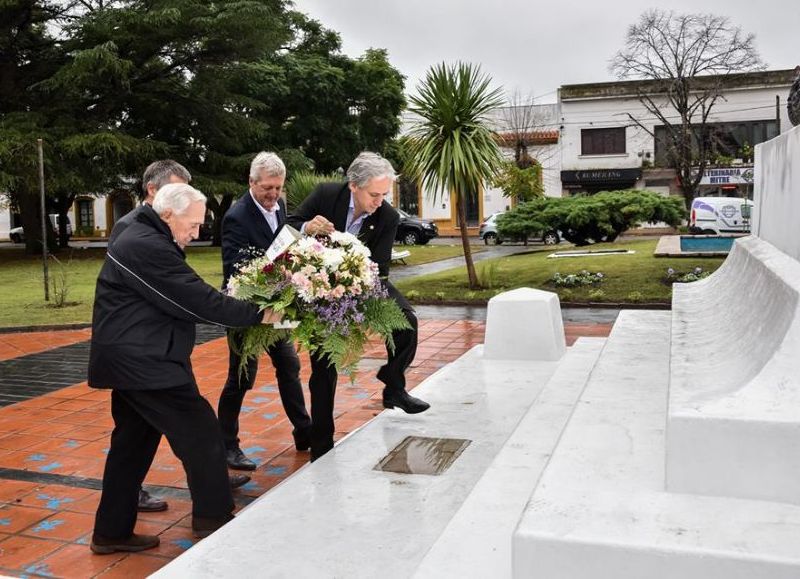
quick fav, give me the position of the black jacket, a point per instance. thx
(244, 227)
(332, 200)
(146, 305)
(123, 222)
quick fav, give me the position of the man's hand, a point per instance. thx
(271, 317)
(318, 226)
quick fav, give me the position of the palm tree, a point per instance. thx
(452, 148)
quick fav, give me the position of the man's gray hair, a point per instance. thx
(159, 172)
(176, 197)
(268, 163)
(368, 166)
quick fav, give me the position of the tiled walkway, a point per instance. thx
(52, 451)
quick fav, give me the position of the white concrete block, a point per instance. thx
(524, 324)
(734, 409)
(776, 185)
(600, 510)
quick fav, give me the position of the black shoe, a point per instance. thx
(203, 526)
(318, 450)
(403, 400)
(150, 504)
(302, 438)
(239, 480)
(238, 461)
(103, 546)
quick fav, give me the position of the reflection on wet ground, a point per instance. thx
(423, 455)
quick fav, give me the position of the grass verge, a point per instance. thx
(627, 278)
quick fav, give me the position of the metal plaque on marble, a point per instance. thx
(423, 455)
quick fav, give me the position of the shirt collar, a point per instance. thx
(263, 211)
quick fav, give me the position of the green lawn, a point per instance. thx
(22, 291)
(427, 253)
(628, 278)
(633, 278)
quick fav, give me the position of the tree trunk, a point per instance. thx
(218, 208)
(30, 213)
(62, 205)
(461, 210)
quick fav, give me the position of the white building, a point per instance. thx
(585, 142)
(602, 148)
(588, 142)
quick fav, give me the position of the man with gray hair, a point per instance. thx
(156, 175)
(252, 223)
(359, 207)
(147, 303)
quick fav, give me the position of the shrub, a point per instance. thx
(301, 184)
(576, 279)
(586, 218)
(597, 294)
(674, 276)
(635, 297)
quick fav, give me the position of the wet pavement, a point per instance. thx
(398, 273)
(54, 434)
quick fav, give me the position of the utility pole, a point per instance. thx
(44, 221)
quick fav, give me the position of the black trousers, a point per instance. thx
(140, 418)
(323, 377)
(287, 372)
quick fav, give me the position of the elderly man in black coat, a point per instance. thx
(252, 223)
(146, 305)
(156, 175)
(359, 207)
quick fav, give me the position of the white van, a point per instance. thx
(715, 215)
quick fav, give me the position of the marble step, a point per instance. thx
(477, 541)
(339, 517)
(600, 510)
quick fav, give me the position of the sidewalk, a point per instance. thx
(52, 447)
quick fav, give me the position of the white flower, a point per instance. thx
(344, 238)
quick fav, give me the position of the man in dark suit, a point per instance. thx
(147, 303)
(359, 207)
(156, 175)
(252, 223)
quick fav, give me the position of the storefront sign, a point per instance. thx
(728, 176)
(599, 177)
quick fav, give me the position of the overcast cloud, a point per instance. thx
(532, 47)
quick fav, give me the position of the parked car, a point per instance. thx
(415, 231)
(715, 215)
(17, 234)
(488, 232)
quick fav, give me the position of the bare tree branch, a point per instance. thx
(688, 56)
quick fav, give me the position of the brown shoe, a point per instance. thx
(103, 546)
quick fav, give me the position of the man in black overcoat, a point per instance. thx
(252, 223)
(156, 175)
(147, 302)
(359, 207)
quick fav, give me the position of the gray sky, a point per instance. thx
(532, 47)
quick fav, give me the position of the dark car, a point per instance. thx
(415, 231)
